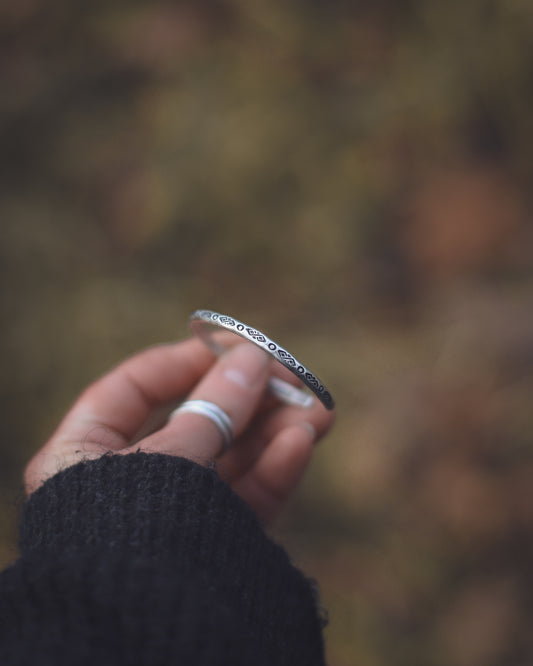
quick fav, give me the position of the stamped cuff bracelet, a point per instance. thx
(200, 322)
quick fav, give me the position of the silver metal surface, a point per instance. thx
(200, 321)
(211, 411)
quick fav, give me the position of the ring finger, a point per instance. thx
(242, 457)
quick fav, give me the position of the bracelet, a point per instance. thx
(286, 392)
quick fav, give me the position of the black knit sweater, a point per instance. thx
(151, 559)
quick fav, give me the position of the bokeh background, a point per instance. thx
(355, 179)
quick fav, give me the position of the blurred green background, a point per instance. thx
(353, 178)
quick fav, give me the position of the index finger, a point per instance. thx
(120, 402)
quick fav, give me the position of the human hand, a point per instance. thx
(273, 442)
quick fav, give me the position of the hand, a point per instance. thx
(273, 442)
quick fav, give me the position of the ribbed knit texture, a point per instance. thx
(151, 559)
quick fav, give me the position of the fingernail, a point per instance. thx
(245, 365)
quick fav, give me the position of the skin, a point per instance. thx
(273, 442)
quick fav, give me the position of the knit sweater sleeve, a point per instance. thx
(151, 559)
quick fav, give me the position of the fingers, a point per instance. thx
(273, 444)
(278, 471)
(243, 455)
(266, 465)
(111, 410)
(236, 384)
(121, 401)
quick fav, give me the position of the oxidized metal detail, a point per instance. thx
(201, 317)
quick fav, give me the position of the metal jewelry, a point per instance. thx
(213, 412)
(199, 321)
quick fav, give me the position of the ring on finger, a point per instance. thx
(211, 411)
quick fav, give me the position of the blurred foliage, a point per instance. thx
(354, 178)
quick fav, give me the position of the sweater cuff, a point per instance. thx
(179, 516)
(151, 504)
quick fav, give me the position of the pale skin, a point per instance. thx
(273, 442)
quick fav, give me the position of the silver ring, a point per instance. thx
(213, 412)
(283, 390)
